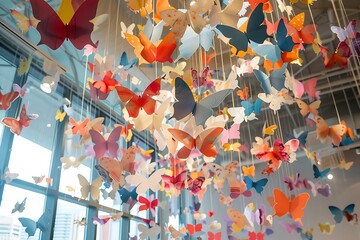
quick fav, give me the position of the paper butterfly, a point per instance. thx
(72, 162)
(191, 41)
(78, 127)
(86, 188)
(125, 195)
(331, 134)
(348, 32)
(204, 141)
(116, 168)
(294, 206)
(228, 16)
(149, 233)
(238, 114)
(31, 226)
(21, 90)
(186, 104)
(259, 185)
(247, 66)
(125, 29)
(232, 133)
(100, 221)
(276, 79)
(54, 31)
(345, 165)
(102, 146)
(348, 213)
(146, 204)
(214, 236)
(319, 188)
(24, 65)
(134, 103)
(269, 130)
(38, 180)
(326, 228)
(248, 171)
(255, 31)
(238, 218)
(16, 125)
(306, 109)
(60, 116)
(143, 184)
(195, 230)
(290, 227)
(320, 174)
(255, 235)
(8, 177)
(175, 182)
(299, 32)
(276, 99)
(179, 20)
(23, 22)
(7, 99)
(19, 207)
(340, 57)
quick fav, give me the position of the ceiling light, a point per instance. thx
(49, 83)
(330, 176)
(192, 3)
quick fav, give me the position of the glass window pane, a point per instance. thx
(110, 230)
(7, 74)
(34, 208)
(31, 151)
(66, 214)
(74, 149)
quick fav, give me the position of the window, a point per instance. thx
(33, 148)
(34, 208)
(66, 225)
(7, 73)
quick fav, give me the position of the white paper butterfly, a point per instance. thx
(151, 232)
(86, 188)
(8, 177)
(69, 162)
(143, 183)
(238, 113)
(124, 29)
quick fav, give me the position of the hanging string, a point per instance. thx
(84, 87)
(333, 97)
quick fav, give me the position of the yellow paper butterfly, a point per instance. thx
(326, 228)
(345, 165)
(60, 116)
(24, 66)
(232, 147)
(248, 171)
(269, 130)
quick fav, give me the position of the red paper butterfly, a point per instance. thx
(7, 99)
(16, 125)
(177, 182)
(78, 127)
(54, 31)
(214, 236)
(134, 103)
(148, 204)
(340, 57)
(255, 236)
(102, 146)
(194, 229)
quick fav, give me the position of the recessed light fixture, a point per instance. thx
(48, 125)
(192, 3)
(330, 176)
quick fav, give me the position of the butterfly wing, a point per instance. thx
(7, 99)
(14, 125)
(112, 145)
(50, 27)
(204, 108)
(259, 185)
(29, 225)
(264, 81)
(95, 188)
(85, 186)
(100, 145)
(185, 138)
(205, 141)
(186, 103)
(256, 30)
(337, 213)
(284, 42)
(79, 28)
(297, 206)
(238, 39)
(281, 203)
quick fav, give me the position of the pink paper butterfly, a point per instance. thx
(214, 236)
(20, 90)
(232, 133)
(102, 146)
